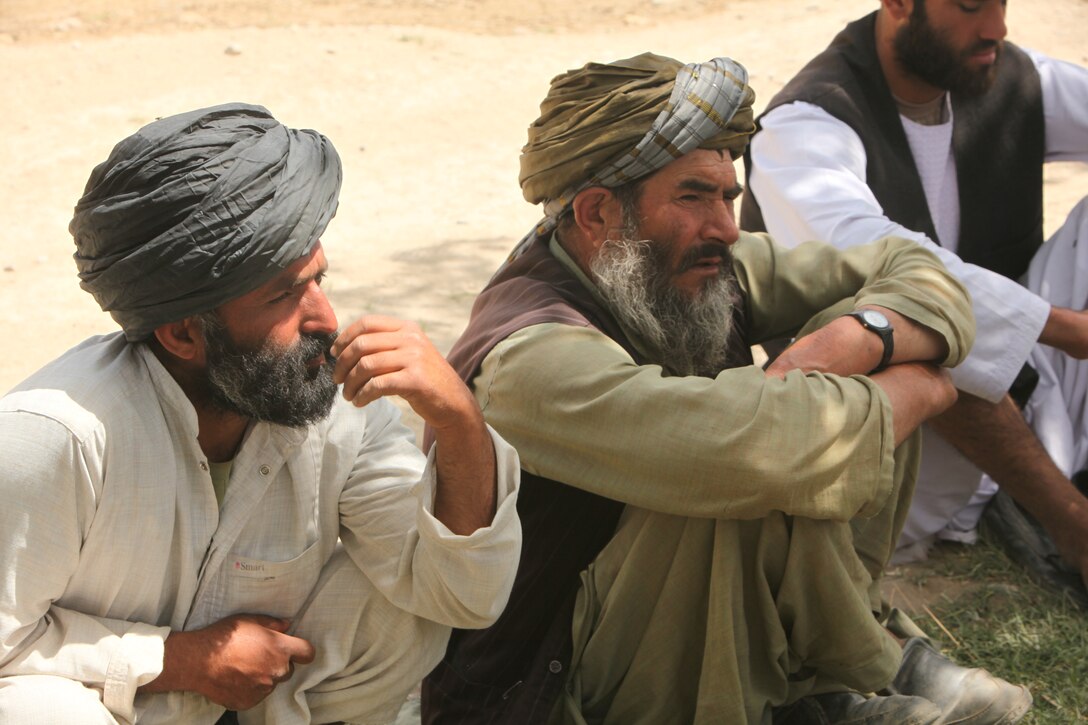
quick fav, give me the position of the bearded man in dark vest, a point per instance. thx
(702, 538)
(919, 120)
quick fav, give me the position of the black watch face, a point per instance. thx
(874, 318)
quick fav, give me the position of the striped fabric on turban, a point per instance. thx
(197, 209)
(606, 124)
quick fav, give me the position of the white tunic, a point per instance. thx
(111, 536)
(809, 175)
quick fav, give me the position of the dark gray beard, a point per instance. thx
(270, 383)
(926, 54)
(686, 336)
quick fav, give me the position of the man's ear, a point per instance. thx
(598, 215)
(183, 339)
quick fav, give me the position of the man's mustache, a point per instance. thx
(696, 254)
(983, 46)
(312, 344)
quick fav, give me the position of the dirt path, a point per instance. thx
(427, 101)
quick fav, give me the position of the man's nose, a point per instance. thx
(993, 25)
(319, 315)
(722, 226)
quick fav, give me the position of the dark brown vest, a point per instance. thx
(513, 671)
(998, 143)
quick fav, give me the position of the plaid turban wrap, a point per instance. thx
(608, 124)
(197, 209)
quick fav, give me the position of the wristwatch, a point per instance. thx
(878, 323)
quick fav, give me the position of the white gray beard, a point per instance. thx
(689, 337)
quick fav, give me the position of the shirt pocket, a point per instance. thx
(276, 588)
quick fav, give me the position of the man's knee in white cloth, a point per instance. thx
(369, 654)
(1058, 409)
(46, 700)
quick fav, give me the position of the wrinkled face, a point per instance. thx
(267, 353)
(668, 273)
(687, 209)
(953, 44)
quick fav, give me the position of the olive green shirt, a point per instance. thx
(580, 410)
(741, 574)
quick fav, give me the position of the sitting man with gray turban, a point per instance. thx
(703, 538)
(193, 518)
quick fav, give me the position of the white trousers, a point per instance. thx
(370, 655)
(951, 493)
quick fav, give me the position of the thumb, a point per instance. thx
(298, 649)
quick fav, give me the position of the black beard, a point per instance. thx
(926, 54)
(270, 383)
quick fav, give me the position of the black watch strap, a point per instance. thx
(876, 322)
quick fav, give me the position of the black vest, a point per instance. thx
(513, 671)
(997, 140)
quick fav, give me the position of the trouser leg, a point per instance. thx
(46, 700)
(692, 620)
(370, 654)
(835, 607)
(876, 538)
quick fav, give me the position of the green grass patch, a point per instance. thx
(1001, 620)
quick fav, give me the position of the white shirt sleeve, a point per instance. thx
(1065, 107)
(459, 581)
(49, 489)
(808, 174)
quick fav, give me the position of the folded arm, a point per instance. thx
(809, 178)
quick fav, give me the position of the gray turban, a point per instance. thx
(197, 209)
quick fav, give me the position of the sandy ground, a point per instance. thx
(426, 100)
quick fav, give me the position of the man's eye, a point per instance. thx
(280, 298)
(970, 8)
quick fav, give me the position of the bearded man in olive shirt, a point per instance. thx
(702, 538)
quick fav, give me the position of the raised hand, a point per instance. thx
(379, 355)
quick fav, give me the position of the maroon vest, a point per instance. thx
(998, 143)
(513, 671)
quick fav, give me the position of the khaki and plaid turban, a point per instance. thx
(197, 209)
(606, 124)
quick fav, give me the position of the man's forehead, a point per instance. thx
(303, 269)
(300, 271)
(700, 167)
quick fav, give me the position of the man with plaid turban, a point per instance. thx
(192, 520)
(702, 539)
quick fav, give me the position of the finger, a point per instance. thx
(382, 364)
(374, 388)
(371, 342)
(299, 650)
(414, 389)
(358, 350)
(366, 325)
(409, 381)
